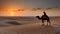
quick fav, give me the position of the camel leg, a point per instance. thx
(42, 21)
(48, 22)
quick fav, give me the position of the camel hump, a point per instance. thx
(44, 16)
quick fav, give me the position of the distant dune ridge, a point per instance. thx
(30, 25)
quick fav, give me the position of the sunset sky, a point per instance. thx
(11, 7)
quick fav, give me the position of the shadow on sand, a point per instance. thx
(14, 23)
(46, 26)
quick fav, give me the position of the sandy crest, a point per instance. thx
(35, 28)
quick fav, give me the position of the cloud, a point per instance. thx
(48, 8)
(19, 10)
(35, 9)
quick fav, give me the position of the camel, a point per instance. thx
(44, 17)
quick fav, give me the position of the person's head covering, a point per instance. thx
(44, 13)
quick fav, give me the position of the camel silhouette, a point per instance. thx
(44, 17)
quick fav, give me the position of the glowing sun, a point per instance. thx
(12, 13)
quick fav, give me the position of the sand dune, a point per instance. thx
(35, 28)
(30, 25)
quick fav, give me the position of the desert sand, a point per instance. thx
(31, 27)
(34, 28)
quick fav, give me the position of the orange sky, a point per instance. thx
(13, 11)
(52, 12)
(10, 7)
